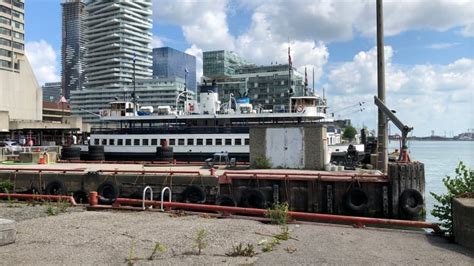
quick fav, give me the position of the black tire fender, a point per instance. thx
(56, 187)
(81, 196)
(355, 200)
(411, 202)
(194, 194)
(226, 201)
(108, 192)
(253, 198)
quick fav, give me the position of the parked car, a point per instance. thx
(11, 146)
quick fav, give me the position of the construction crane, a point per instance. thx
(403, 128)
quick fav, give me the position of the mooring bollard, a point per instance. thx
(93, 198)
(213, 171)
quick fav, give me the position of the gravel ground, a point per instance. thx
(106, 237)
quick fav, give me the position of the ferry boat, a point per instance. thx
(199, 130)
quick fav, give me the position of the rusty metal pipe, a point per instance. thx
(38, 197)
(354, 175)
(295, 215)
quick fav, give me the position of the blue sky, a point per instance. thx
(429, 48)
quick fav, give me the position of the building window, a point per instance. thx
(104, 142)
(96, 141)
(120, 142)
(5, 21)
(111, 142)
(199, 142)
(145, 142)
(154, 142)
(18, 45)
(190, 142)
(218, 141)
(238, 141)
(180, 142)
(6, 10)
(6, 53)
(4, 63)
(128, 142)
(17, 14)
(247, 142)
(228, 141)
(5, 31)
(136, 142)
(5, 42)
(209, 142)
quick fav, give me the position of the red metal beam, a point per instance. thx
(151, 171)
(77, 170)
(39, 197)
(295, 215)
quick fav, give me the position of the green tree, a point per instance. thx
(349, 133)
(462, 185)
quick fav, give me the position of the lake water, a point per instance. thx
(440, 159)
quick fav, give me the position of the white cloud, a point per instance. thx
(260, 46)
(335, 20)
(468, 30)
(443, 45)
(204, 23)
(197, 52)
(157, 42)
(425, 96)
(42, 58)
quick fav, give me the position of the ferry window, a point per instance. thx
(199, 142)
(228, 141)
(238, 141)
(247, 142)
(104, 142)
(218, 141)
(191, 142)
(172, 142)
(111, 141)
(154, 142)
(163, 140)
(208, 141)
(181, 142)
(120, 142)
(128, 142)
(136, 142)
(96, 141)
(145, 142)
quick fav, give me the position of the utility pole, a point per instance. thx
(382, 137)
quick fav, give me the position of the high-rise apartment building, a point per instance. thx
(73, 46)
(118, 51)
(171, 63)
(20, 94)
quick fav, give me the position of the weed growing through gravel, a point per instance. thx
(53, 209)
(278, 213)
(200, 241)
(159, 248)
(247, 250)
(131, 253)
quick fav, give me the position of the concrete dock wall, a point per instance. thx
(463, 221)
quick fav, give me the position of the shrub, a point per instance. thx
(6, 186)
(278, 213)
(462, 185)
(201, 240)
(262, 163)
(242, 250)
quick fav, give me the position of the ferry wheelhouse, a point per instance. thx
(197, 131)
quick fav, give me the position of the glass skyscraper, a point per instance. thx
(171, 63)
